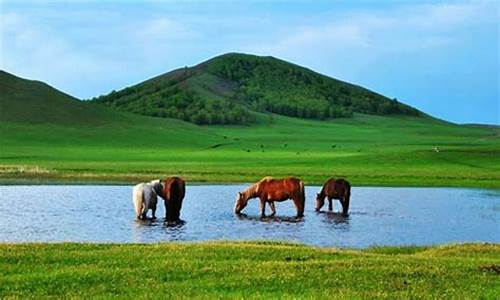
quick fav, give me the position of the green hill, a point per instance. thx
(32, 113)
(228, 89)
(31, 101)
(46, 135)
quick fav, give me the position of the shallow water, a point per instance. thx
(378, 216)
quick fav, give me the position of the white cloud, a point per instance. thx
(161, 28)
(346, 44)
(80, 58)
(36, 52)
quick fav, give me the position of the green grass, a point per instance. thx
(367, 150)
(249, 270)
(48, 136)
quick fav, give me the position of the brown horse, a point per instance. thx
(174, 189)
(334, 189)
(270, 190)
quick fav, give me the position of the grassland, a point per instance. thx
(49, 136)
(368, 150)
(249, 270)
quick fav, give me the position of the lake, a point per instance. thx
(377, 216)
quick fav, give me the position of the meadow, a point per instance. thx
(247, 269)
(366, 149)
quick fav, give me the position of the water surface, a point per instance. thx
(378, 216)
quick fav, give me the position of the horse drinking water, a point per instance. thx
(269, 190)
(334, 189)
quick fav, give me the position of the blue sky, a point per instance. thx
(441, 57)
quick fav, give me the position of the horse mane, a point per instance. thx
(267, 178)
(253, 190)
(322, 193)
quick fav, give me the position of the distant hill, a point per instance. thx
(30, 101)
(228, 88)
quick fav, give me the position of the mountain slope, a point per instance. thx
(228, 88)
(30, 101)
(34, 113)
(48, 135)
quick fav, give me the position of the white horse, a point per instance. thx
(145, 197)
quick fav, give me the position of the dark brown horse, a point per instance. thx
(339, 189)
(174, 189)
(270, 190)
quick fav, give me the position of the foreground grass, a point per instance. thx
(252, 270)
(368, 150)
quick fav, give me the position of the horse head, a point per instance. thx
(158, 186)
(240, 204)
(320, 201)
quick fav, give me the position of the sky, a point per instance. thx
(441, 57)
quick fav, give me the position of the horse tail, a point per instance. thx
(347, 196)
(302, 197)
(138, 198)
(176, 192)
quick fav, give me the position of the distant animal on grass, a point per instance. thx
(269, 190)
(339, 189)
(174, 190)
(145, 197)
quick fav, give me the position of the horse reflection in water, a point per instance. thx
(338, 220)
(148, 230)
(269, 219)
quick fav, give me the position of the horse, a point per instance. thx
(174, 190)
(270, 190)
(145, 197)
(334, 189)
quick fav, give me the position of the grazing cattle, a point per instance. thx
(269, 190)
(339, 189)
(174, 190)
(145, 197)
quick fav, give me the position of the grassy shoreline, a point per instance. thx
(247, 270)
(367, 150)
(65, 179)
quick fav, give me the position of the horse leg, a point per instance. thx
(154, 211)
(176, 212)
(330, 204)
(345, 205)
(262, 207)
(299, 206)
(273, 209)
(166, 210)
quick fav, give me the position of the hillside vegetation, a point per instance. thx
(229, 88)
(247, 270)
(48, 136)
